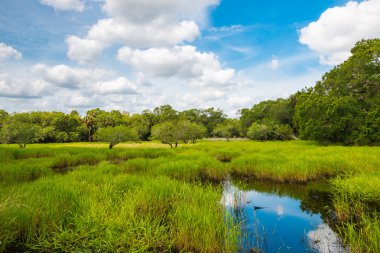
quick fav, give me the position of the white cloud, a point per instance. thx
(76, 100)
(280, 210)
(155, 33)
(274, 63)
(83, 50)
(146, 11)
(182, 62)
(239, 101)
(7, 52)
(142, 24)
(65, 5)
(339, 28)
(67, 77)
(324, 240)
(120, 85)
(22, 88)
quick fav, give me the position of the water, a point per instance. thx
(282, 218)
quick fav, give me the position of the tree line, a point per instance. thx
(343, 107)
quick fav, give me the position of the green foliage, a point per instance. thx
(343, 106)
(165, 113)
(3, 115)
(230, 128)
(260, 132)
(115, 135)
(279, 112)
(167, 132)
(22, 133)
(192, 131)
(171, 132)
(143, 123)
(327, 118)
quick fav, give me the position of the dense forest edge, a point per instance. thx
(343, 107)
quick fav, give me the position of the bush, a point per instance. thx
(265, 132)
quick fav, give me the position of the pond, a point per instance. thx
(278, 218)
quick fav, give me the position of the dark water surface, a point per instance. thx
(283, 218)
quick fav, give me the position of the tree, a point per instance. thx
(115, 135)
(265, 132)
(143, 123)
(270, 112)
(167, 132)
(260, 132)
(19, 133)
(211, 117)
(327, 118)
(230, 128)
(90, 123)
(3, 115)
(191, 131)
(165, 113)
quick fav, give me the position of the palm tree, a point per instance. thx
(90, 123)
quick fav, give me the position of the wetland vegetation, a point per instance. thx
(148, 197)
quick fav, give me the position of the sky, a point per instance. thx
(132, 55)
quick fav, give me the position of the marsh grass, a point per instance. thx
(147, 197)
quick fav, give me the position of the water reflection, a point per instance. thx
(275, 219)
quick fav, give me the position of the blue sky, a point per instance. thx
(133, 55)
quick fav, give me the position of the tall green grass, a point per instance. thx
(147, 197)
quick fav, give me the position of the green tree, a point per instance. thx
(260, 132)
(230, 128)
(168, 133)
(3, 116)
(115, 135)
(165, 113)
(90, 122)
(143, 123)
(265, 132)
(19, 133)
(327, 118)
(270, 112)
(191, 131)
(343, 106)
(211, 117)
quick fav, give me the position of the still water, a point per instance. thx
(282, 218)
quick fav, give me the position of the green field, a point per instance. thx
(85, 197)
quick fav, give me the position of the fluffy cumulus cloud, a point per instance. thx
(120, 85)
(339, 28)
(65, 5)
(182, 62)
(62, 87)
(155, 33)
(85, 80)
(67, 77)
(83, 51)
(22, 88)
(7, 52)
(142, 24)
(146, 11)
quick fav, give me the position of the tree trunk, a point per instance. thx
(171, 146)
(89, 135)
(111, 146)
(176, 144)
(228, 139)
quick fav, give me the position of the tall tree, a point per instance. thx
(116, 135)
